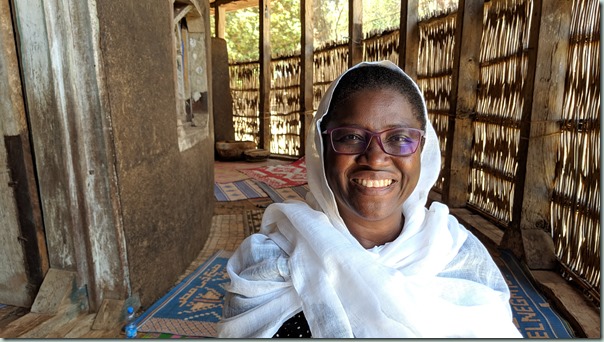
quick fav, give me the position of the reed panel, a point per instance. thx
(575, 203)
(503, 73)
(245, 85)
(434, 75)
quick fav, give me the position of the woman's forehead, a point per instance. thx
(384, 105)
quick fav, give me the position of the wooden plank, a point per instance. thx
(463, 101)
(582, 315)
(60, 330)
(9, 314)
(57, 285)
(23, 253)
(110, 314)
(64, 317)
(355, 32)
(24, 324)
(113, 333)
(81, 327)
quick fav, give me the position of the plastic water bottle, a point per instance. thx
(130, 329)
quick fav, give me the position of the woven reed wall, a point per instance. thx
(285, 106)
(379, 46)
(245, 82)
(434, 73)
(503, 71)
(575, 204)
(328, 63)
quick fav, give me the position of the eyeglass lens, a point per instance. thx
(396, 141)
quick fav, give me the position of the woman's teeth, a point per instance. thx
(370, 183)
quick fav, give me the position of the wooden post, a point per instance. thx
(264, 103)
(355, 32)
(402, 40)
(219, 21)
(465, 78)
(531, 212)
(306, 70)
(412, 39)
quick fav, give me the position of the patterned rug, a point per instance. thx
(282, 194)
(193, 307)
(253, 219)
(280, 176)
(533, 315)
(245, 189)
(228, 172)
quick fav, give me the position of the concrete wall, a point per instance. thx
(165, 194)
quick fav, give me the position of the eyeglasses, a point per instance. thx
(398, 142)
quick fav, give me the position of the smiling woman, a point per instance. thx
(365, 257)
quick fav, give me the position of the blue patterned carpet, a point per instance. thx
(194, 306)
(533, 315)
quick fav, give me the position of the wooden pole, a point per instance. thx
(539, 136)
(465, 78)
(412, 39)
(355, 32)
(219, 21)
(402, 40)
(306, 70)
(265, 75)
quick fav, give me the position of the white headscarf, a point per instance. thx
(434, 280)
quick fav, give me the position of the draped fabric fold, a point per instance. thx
(434, 280)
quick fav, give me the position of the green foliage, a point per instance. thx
(330, 20)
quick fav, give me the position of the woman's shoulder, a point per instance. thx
(474, 262)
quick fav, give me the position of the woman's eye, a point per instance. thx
(351, 137)
(400, 139)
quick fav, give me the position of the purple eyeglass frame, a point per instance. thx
(372, 135)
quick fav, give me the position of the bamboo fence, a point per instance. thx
(434, 73)
(575, 204)
(503, 72)
(285, 106)
(245, 84)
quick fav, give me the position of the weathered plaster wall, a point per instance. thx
(165, 195)
(223, 101)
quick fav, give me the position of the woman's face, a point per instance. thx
(372, 186)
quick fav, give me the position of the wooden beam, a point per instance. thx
(306, 70)
(402, 40)
(525, 127)
(412, 39)
(355, 32)
(219, 22)
(180, 13)
(464, 81)
(265, 75)
(533, 210)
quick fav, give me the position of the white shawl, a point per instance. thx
(435, 280)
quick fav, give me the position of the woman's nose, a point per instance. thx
(374, 154)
